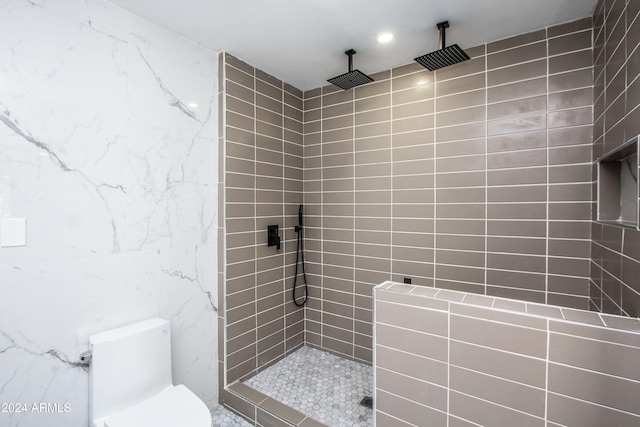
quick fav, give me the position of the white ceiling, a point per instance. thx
(302, 42)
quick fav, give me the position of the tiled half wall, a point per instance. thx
(476, 177)
(447, 358)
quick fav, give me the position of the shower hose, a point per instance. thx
(300, 256)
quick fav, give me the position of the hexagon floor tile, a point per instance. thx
(322, 386)
(222, 417)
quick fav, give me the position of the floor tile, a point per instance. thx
(222, 417)
(322, 386)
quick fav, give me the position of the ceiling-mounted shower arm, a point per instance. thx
(350, 54)
(442, 26)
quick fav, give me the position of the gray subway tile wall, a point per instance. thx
(475, 178)
(263, 171)
(615, 263)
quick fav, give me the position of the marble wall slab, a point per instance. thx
(108, 149)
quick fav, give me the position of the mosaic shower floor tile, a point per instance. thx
(222, 417)
(322, 386)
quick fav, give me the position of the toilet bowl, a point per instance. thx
(130, 382)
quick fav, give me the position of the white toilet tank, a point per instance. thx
(129, 365)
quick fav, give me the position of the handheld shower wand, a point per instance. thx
(300, 255)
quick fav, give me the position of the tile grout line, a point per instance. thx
(435, 188)
(448, 362)
(392, 180)
(255, 220)
(546, 375)
(321, 214)
(486, 168)
(353, 232)
(283, 229)
(593, 177)
(222, 151)
(546, 277)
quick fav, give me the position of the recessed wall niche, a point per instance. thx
(618, 186)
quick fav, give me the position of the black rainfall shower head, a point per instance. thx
(444, 56)
(352, 78)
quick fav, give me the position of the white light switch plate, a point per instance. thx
(13, 232)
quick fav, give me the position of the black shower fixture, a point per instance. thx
(300, 257)
(273, 239)
(353, 77)
(444, 56)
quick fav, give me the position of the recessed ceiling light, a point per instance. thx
(385, 38)
(192, 105)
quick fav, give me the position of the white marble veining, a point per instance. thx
(105, 154)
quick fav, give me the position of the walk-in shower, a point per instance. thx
(476, 183)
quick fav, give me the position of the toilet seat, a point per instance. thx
(175, 406)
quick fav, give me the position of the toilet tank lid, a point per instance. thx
(174, 406)
(127, 330)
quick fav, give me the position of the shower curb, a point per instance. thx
(260, 409)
